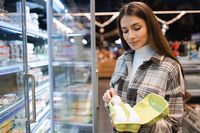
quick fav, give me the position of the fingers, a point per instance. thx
(108, 95)
(104, 98)
(112, 92)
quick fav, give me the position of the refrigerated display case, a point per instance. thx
(191, 68)
(24, 89)
(72, 68)
(11, 69)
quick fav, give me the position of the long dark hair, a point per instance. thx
(156, 39)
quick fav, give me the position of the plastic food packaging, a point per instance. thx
(148, 111)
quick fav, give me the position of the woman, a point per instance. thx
(147, 65)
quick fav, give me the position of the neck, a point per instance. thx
(145, 52)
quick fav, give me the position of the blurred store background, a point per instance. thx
(182, 29)
(72, 65)
(179, 20)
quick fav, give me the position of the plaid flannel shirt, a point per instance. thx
(161, 75)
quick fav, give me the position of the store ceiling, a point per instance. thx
(114, 5)
(181, 29)
(188, 24)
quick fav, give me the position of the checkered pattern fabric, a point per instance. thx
(161, 75)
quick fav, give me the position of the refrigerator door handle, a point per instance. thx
(29, 75)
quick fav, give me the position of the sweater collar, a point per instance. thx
(157, 59)
(145, 52)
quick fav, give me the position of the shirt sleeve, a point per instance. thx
(175, 89)
(120, 71)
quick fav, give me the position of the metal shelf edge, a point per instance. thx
(10, 69)
(44, 115)
(13, 109)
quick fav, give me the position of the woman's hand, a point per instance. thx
(108, 95)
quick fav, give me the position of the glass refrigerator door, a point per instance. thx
(12, 105)
(37, 83)
(71, 67)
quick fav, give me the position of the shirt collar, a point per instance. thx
(158, 59)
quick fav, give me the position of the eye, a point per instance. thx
(124, 31)
(137, 27)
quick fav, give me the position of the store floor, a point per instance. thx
(103, 121)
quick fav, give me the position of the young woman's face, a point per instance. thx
(134, 31)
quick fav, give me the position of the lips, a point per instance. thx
(133, 42)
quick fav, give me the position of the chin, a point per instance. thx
(135, 48)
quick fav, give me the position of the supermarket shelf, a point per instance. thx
(190, 65)
(38, 63)
(189, 61)
(38, 35)
(45, 127)
(40, 119)
(192, 84)
(72, 63)
(194, 92)
(191, 68)
(74, 124)
(10, 69)
(67, 128)
(78, 34)
(10, 28)
(11, 110)
(63, 94)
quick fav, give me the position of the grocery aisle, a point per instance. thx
(103, 121)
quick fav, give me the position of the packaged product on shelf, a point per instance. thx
(4, 53)
(76, 105)
(81, 74)
(63, 51)
(19, 130)
(41, 52)
(6, 126)
(34, 24)
(79, 88)
(78, 118)
(16, 51)
(4, 15)
(37, 74)
(8, 99)
(15, 20)
(30, 51)
(19, 122)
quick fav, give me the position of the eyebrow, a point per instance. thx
(132, 25)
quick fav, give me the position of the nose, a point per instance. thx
(131, 35)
